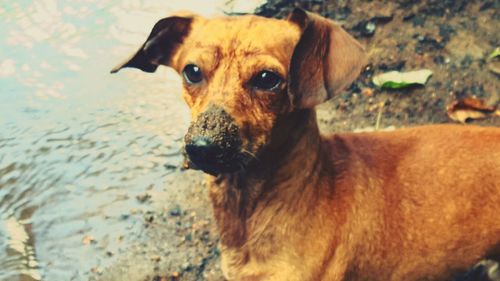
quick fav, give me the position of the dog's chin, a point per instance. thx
(216, 170)
(217, 167)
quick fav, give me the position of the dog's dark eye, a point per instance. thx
(192, 74)
(266, 80)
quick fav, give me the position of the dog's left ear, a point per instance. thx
(325, 60)
(162, 43)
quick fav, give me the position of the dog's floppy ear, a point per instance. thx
(167, 35)
(325, 60)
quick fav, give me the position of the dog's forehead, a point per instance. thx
(245, 34)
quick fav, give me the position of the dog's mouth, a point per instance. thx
(213, 143)
(213, 159)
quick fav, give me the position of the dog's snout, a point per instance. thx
(213, 142)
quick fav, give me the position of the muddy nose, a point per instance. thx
(213, 143)
(203, 149)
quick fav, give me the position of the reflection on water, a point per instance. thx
(77, 144)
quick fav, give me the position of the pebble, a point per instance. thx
(365, 28)
(186, 266)
(176, 211)
(143, 197)
(367, 92)
(156, 258)
(88, 239)
(96, 270)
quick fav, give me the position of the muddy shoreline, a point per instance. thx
(178, 240)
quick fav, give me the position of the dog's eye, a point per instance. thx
(192, 73)
(266, 80)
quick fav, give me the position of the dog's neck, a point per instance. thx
(288, 165)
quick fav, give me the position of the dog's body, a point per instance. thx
(407, 205)
(290, 204)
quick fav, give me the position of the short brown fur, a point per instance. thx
(413, 204)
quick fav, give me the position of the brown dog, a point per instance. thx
(414, 204)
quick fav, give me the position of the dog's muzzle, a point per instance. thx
(213, 143)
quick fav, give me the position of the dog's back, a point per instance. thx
(422, 193)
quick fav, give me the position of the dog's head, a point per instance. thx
(242, 73)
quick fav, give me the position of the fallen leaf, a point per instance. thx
(397, 80)
(470, 109)
(495, 53)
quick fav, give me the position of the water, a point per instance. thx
(77, 145)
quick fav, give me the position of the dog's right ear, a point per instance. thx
(165, 38)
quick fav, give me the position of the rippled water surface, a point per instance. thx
(77, 145)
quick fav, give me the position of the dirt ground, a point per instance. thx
(453, 38)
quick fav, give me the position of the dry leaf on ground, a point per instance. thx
(470, 109)
(398, 80)
(495, 53)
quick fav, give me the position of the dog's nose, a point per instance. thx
(210, 156)
(204, 149)
(212, 143)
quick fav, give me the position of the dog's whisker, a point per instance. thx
(249, 153)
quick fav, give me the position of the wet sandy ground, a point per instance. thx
(160, 226)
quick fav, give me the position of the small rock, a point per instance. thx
(427, 44)
(443, 7)
(445, 31)
(466, 61)
(186, 266)
(176, 211)
(367, 92)
(143, 197)
(342, 13)
(487, 5)
(96, 270)
(418, 21)
(156, 258)
(124, 216)
(88, 239)
(365, 28)
(397, 66)
(170, 167)
(370, 28)
(439, 59)
(401, 47)
(149, 218)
